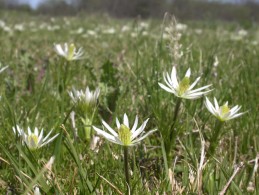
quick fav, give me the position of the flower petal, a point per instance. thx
(109, 129)
(144, 136)
(139, 130)
(126, 120)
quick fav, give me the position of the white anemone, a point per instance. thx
(34, 140)
(183, 89)
(69, 51)
(223, 113)
(124, 135)
(88, 97)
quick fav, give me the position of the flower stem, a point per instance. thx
(173, 134)
(126, 168)
(215, 137)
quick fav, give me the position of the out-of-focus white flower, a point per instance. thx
(37, 191)
(144, 33)
(242, 33)
(183, 89)
(223, 113)
(69, 51)
(19, 27)
(34, 140)
(181, 27)
(87, 96)
(2, 23)
(125, 28)
(91, 32)
(133, 34)
(80, 30)
(124, 135)
(85, 101)
(109, 31)
(144, 25)
(198, 31)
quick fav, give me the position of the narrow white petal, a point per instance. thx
(118, 123)
(236, 115)
(126, 120)
(210, 107)
(59, 50)
(135, 125)
(174, 78)
(65, 49)
(139, 130)
(188, 73)
(47, 136)
(166, 88)
(50, 140)
(194, 83)
(110, 129)
(168, 80)
(143, 137)
(235, 109)
(41, 135)
(216, 104)
(29, 131)
(194, 95)
(199, 89)
(36, 131)
(104, 134)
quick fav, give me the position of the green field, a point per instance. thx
(192, 152)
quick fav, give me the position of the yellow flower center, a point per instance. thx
(184, 85)
(33, 141)
(71, 51)
(224, 109)
(125, 135)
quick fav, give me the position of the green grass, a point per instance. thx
(127, 67)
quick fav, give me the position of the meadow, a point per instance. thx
(187, 150)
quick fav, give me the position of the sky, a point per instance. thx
(33, 3)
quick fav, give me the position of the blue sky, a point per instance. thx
(33, 3)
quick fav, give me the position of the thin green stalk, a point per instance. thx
(173, 134)
(215, 137)
(126, 168)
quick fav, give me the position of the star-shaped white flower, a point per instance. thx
(223, 113)
(69, 51)
(124, 135)
(183, 89)
(88, 97)
(34, 140)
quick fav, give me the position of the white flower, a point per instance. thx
(223, 113)
(88, 97)
(183, 89)
(34, 140)
(124, 135)
(69, 51)
(37, 191)
(85, 100)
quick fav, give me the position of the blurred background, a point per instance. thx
(229, 10)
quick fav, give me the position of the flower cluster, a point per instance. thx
(183, 89)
